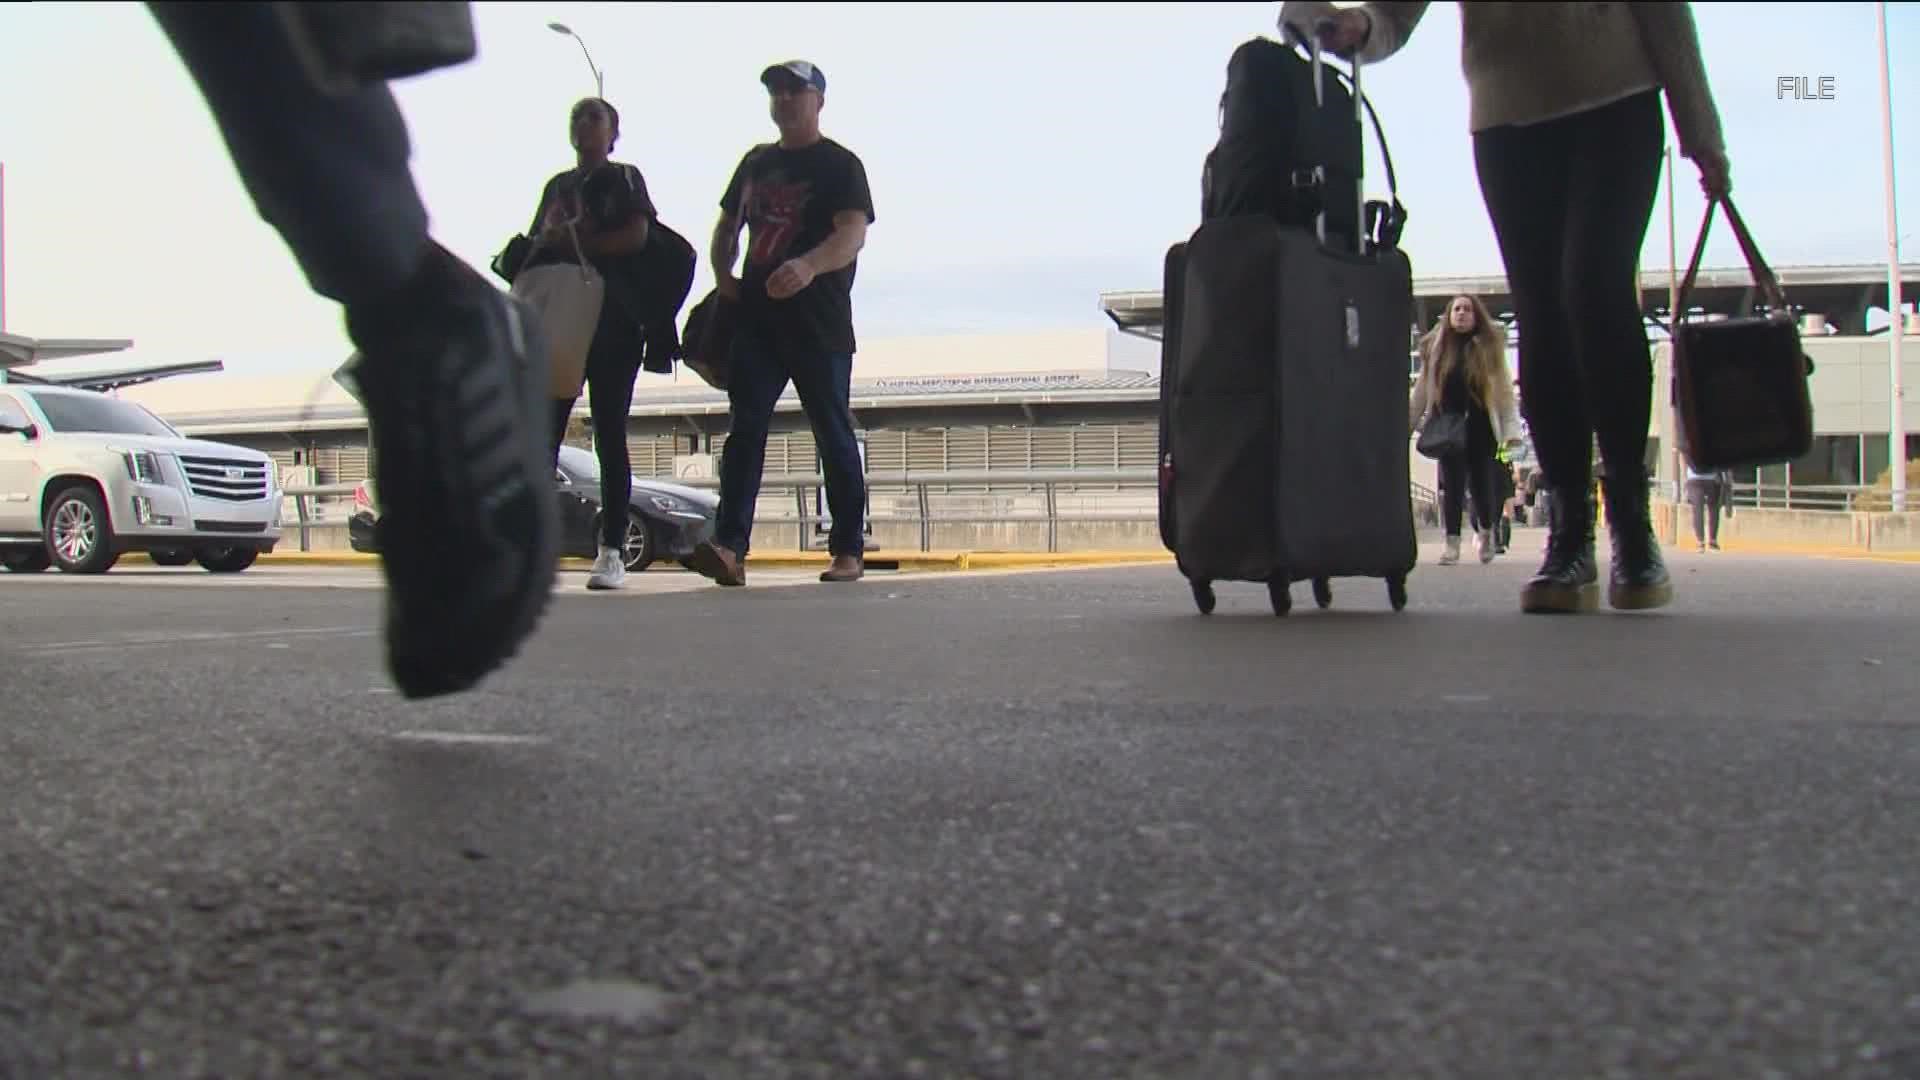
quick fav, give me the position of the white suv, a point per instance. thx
(85, 478)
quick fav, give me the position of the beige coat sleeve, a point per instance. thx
(1390, 23)
(1420, 405)
(1667, 33)
(1506, 418)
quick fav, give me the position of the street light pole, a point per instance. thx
(599, 80)
(1897, 419)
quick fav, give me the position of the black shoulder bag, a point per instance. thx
(1740, 384)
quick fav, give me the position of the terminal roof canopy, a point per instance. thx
(1843, 294)
(20, 354)
(19, 350)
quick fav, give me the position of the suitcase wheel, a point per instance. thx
(1323, 593)
(1203, 597)
(1397, 593)
(1281, 595)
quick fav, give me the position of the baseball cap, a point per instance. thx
(803, 70)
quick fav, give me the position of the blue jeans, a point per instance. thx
(330, 174)
(758, 376)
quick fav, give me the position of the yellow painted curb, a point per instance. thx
(1816, 551)
(1008, 560)
(1002, 560)
(879, 560)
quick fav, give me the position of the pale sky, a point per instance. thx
(1023, 158)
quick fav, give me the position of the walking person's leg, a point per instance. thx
(1524, 179)
(1698, 498)
(1453, 494)
(824, 385)
(454, 401)
(1617, 159)
(610, 378)
(330, 174)
(756, 379)
(1481, 479)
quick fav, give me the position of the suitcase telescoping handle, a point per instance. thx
(1312, 42)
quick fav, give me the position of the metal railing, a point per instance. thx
(1834, 498)
(999, 484)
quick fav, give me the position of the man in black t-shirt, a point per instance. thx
(805, 204)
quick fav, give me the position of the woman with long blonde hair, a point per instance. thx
(1464, 378)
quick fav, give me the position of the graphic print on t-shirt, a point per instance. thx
(776, 214)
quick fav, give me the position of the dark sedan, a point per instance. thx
(667, 520)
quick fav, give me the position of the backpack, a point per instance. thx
(658, 279)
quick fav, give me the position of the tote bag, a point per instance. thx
(1740, 385)
(568, 297)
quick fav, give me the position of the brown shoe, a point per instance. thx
(845, 568)
(713, 561)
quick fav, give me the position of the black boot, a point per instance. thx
(1568, 581)
(1638, 579)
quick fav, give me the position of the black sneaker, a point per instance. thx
(454, 382)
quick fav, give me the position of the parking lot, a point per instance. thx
(985, 823)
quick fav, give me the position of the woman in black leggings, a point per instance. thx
(603, 206)
(1568, 141)
(1463, 372)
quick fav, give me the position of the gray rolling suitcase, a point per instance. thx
(1284, 403)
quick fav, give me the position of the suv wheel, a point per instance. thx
(79, 537)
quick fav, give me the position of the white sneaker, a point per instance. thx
(1486, 545)
(609, 571)
(1451, 553)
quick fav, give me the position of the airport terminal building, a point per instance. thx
(1082, 400)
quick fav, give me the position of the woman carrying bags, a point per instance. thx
(1463, 407)
(591, 219)
(1568, 141)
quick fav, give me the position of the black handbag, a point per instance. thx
(708, 342)
(1740, 385)
(511, 258)
(1444, 436)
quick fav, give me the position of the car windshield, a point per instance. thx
(101, 414)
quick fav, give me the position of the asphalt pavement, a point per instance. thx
(997, 824)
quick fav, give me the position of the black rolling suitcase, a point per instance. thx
(1285, 354)
(1173, 273)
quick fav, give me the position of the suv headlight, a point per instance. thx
(143, 466)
